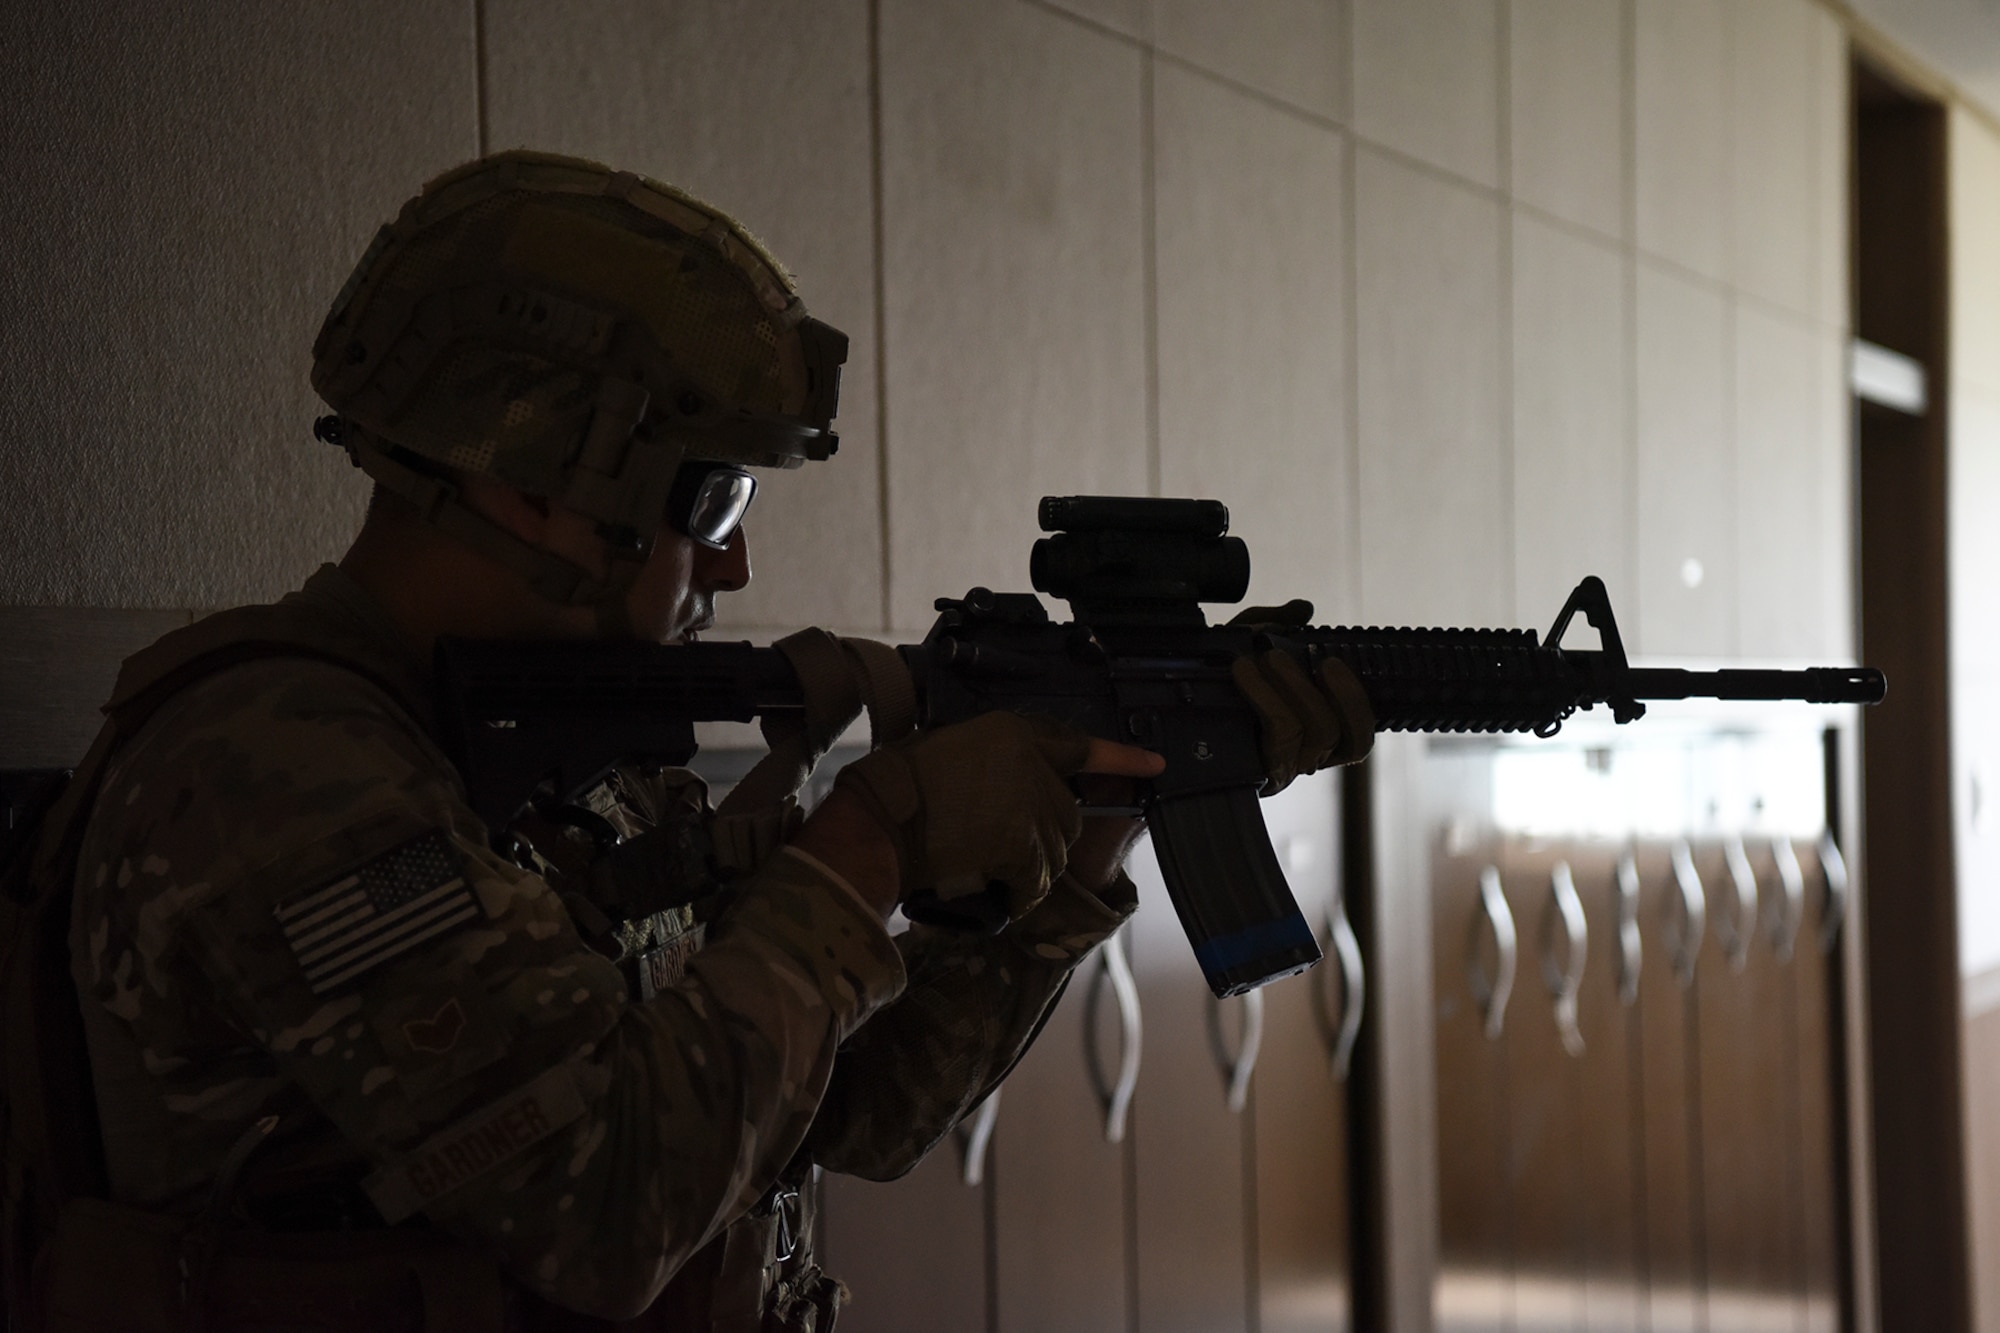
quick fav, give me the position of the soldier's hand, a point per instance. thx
(1100, 850)
(1308, 722)
(986, 801)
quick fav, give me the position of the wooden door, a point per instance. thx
(1191, 1205)
(913, 1252)
(1475, 960)
(1748, 1100)
(1609, 1152)
(1821, 1080)
(1543, 1049)
(1060, 1182)
(1298, 1100)
(1573, 1150)
(1901, 269)
(1672, 910)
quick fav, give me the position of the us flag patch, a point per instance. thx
(379, 911)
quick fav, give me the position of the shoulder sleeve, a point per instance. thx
(313, 855)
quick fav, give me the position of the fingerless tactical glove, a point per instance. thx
(1308, 724)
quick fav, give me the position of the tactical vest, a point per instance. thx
(72, 1261)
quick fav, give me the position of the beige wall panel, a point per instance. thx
(1835, 555)
(1776, 199)
(1427, 81)
(188, 186)
(1252, 307)
(1568, 119)
(1982, 1146)
(1572, 437)
(1132, 17)
(1686, 523)
(1976, 843)
(1833, 145)
(1973, 525)
(1781, 461)
(57, 664)
(1975, 266)
(1288, 49)
(1974, 468)
(1682, 169)
(1015, 308)
(1432, 446)
(763, 110)
(1974, 536)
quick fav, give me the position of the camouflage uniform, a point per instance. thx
(493, 1075)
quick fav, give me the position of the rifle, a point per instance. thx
(1137, 663)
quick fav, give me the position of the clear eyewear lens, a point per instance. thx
(719, 506)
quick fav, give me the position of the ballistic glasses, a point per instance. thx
(708, 501)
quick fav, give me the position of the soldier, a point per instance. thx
(358, 1060)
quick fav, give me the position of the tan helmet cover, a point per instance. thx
(576, 333)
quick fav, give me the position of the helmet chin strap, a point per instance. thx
(441, 504)
(613, 606)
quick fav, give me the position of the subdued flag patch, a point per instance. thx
(381, 910)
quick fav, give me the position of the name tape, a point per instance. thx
(475, 1145)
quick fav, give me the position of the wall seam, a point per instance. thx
(879, 246)
(481, 129)
(1788, 314)
(1339, 124)
(1088, 24)
(1732, 304)
(1509, 445)
(1815, 163)
(1149, 266)
(1270, 99)
(1581, 231)
(1445, 175)
(1694, 277)
(1628, 131)
(1279, 104)
(1350, 353)
(1350, 206)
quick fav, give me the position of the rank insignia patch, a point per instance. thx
(379, 911)
(437, 1034)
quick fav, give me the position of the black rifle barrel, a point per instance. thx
(1813, 685)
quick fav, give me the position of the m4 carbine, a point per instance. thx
(1138, 663)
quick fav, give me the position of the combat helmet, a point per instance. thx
(578, 333)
